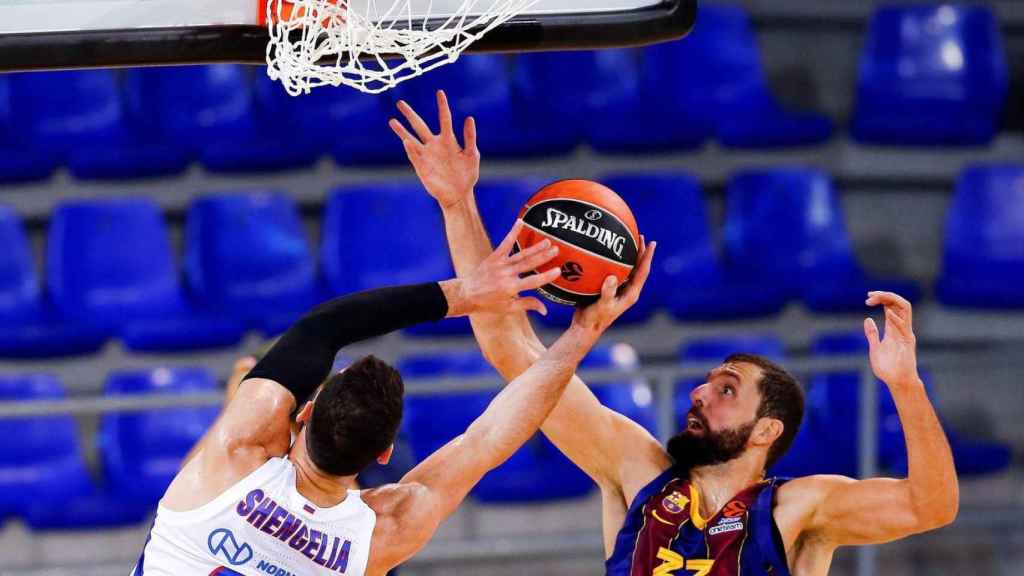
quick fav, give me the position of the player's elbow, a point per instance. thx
(939, 512)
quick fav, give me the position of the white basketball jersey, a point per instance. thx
(261, 526)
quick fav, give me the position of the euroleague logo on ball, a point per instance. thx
(593, 215)
(572, 271)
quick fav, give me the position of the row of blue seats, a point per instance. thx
(930, 75)
(44, 479)
(110, 270)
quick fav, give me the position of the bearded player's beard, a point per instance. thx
(694, 448)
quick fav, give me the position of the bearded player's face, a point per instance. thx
(721, 419)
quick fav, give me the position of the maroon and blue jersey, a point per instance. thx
(665, 535)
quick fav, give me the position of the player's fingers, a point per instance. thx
(538, 247)
(244, 364)
(536, 260)
(412, 149)
(534, 281)
(510, 239)
(902, 305)
(894, 323)
(469, 134)
(530, 303)
(399, 129)
(609, 288)
(871, 331)
(444, 114)
(642, 271)
(417, 123)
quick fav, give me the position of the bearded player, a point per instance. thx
(702, 505)
(251, 501)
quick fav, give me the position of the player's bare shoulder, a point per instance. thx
(797, 503)
(403, 523)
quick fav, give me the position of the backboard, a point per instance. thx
(50, 34)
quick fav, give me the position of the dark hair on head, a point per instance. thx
(355, 417)
(781, 398)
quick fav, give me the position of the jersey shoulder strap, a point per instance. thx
(763, 523)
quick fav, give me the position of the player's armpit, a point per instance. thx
(845, 511)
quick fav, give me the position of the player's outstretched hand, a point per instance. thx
(893, 358)
(448, 171)
(495, 284)
(615, 300)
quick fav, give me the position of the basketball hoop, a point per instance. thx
(372, 45)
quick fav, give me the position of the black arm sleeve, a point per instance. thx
(303, 356)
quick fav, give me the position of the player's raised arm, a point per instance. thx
(255, 425)
(847, 511)
(610, 448)
(442, 481)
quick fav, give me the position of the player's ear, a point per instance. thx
(385, 456)
(766, 431)
(304, 414)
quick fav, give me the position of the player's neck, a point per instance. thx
(321, 489)
(718, 483)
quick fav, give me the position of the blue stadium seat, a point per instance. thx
(43, 476)
(432, 420)
(688, 277)
(834, 400)
(637, 107)
(983, 263)
(30, 326)
(716, 72)
(386, 234)
(40, 456)
(349, 124)
(142, 451)
(511, 121)
(79, 118)
(212, 112)
(17, 163)
(717, 349)
(246, 253)
(785, 227)
(931, 75)
(109, 264)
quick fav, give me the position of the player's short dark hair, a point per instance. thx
(355, 417)
(781, 398)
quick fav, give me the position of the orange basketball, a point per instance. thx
(594, 230)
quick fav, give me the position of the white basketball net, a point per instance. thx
(369, 45)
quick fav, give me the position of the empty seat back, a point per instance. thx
(931, 74)
(786, 225)
(193, 105)
(65, 110)
(246, 252)
(110, 260)
(983, 260)
(378, 235)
